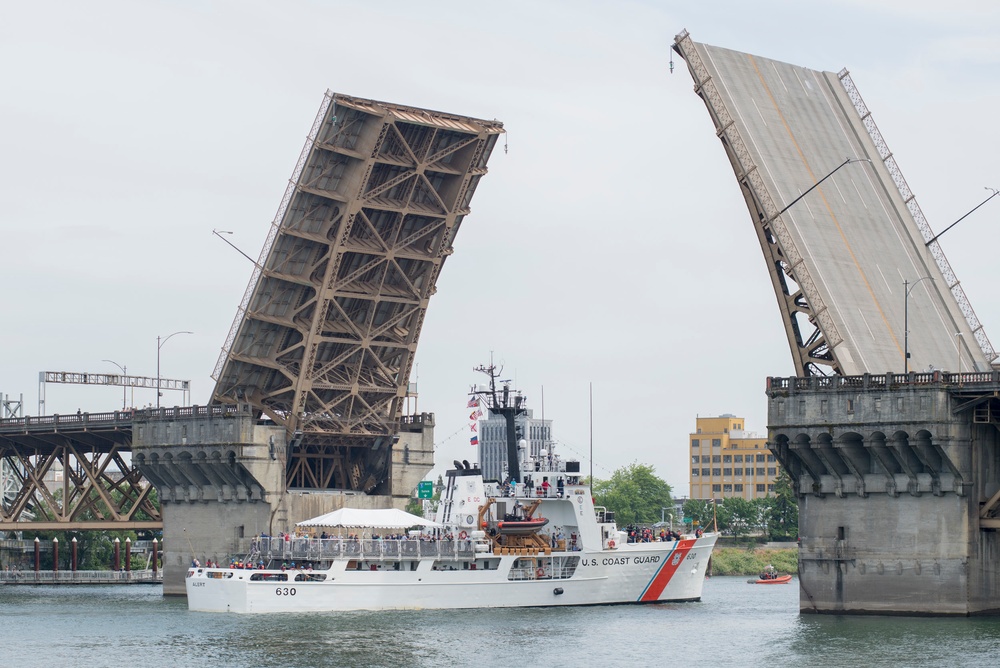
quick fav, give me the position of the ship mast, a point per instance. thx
(509, 405)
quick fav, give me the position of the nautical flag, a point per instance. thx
(472, 427)
(474, 440)
(474, 417)
(473, 402)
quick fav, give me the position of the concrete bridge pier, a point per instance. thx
(221, 479)
(898, 481)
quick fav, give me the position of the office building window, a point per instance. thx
(727, 472)
(716, 459)
(738, 471)
(772, 471)
(770, 488)
(760, 488)
(738, 488)
(738, 459)
(727, 459)
(760, 470)
(716, 472)
(694, 473)
(704, 459)
(727, 489)
(716, 442)
(695, 443)
(760, 458)
(695, 459)
(770, 459)
(716, 488)
(705, 471)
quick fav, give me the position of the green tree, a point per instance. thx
(701, 511)
(739, 516)
(635, 493)
(782, 510)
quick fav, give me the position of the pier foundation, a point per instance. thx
(898, 482)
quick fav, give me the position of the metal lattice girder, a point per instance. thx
(74, 481)
(845, 247)
(325, 337)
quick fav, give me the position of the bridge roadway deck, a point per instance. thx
(857, 236)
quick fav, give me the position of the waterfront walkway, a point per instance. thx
(14, 577)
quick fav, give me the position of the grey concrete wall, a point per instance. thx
(891, 474)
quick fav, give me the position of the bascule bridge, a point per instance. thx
(310, 409)
(890, 429)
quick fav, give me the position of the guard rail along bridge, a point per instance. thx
(310, 408)
(897, 473)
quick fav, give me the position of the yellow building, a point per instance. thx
(727, 461)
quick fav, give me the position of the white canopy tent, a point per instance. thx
(360, 518)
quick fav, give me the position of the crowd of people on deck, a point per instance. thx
(638, 534)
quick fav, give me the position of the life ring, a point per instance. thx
(462, 535)
(540, 572)
(611, 544)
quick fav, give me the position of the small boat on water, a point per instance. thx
(492, 544)
(771, 579)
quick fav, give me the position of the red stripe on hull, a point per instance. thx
(662, 577)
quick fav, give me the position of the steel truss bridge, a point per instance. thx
(845, 241)
(73, 471)
(324, 339)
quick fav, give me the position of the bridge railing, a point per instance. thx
(885, 380)
(121, 418)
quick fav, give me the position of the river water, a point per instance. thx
(735, 624)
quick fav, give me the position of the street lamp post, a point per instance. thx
(958, 351)
(907, 289)
(125, 376)
(159, 344)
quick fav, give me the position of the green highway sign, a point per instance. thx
(425, 489)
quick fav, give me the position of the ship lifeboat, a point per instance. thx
(521, 527)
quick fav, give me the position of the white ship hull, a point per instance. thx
(630, 573)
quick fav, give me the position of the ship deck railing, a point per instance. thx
(383, 549)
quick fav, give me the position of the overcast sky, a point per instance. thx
(610, 245)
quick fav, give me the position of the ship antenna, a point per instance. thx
(591, 439)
